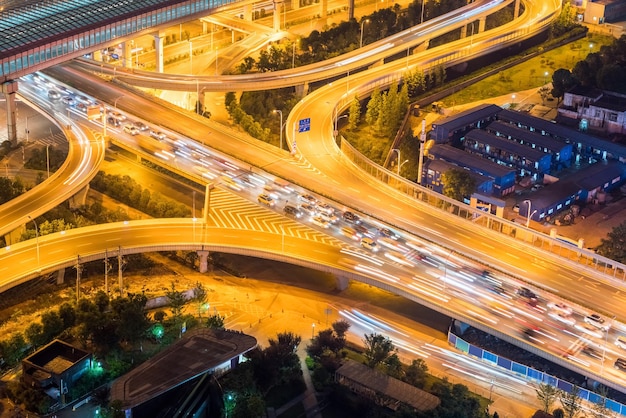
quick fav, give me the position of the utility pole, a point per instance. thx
(79, 270)
(107, 269)
(120, 266)
(420, 163)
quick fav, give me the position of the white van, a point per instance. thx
(369, 244)
(130, 129)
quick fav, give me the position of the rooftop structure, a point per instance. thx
(200, 351)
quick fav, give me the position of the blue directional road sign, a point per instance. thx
(304, 125)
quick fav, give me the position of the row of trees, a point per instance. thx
(603, 70)
(126, 190)
(571, 403)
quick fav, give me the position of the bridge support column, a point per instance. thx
(158, 49)
(351, 10)
(97, 55)
(302, 89)
(516, 9)
(61, 276)
(324, 9)
(481, 24)
(341, 283)
(79, 198)
(205, 27)
(463, 32)
(9, 89)
(127, 55)
(247, 12)
(14, 236)
(279, 6)
(295, 4)
(203, 258)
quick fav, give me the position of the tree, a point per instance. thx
(544, 92)
(458, 184)
(130, 317)
(215, 321)
(562, 81)
(377, 349)
(614, 246)
(547, 395)
(34, 334)
(416, 373)
(355, 113)
(373, 107)
(177, 301)
(394, 366)
(571, 402)
(200, 297)
(599, 409)
(52, 325)
(67, 313)
(341, 327)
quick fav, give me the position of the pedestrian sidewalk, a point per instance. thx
(308, 398)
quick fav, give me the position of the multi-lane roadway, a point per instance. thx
(351, 188)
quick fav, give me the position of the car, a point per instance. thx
(68, 100)
(325, 208)
(516, 208)
(560, 307)
(362, 230)
(81, 106)
(140, 125)
(351, 217)
(598, 322)
(292, 211)
(117, 115)
(621, 342)
(388, 233)
(309, 210)
(308, 199)
(526, 293)
(329, 217)
(83, 99)
(589, 330)
(350, 233)
(620, 364)
(265, 200)
(130, 129)
(158, 135)
(319, 221)
(591, 352)
(54, 95)
(369, 244)
(113, 122)
(561, 317)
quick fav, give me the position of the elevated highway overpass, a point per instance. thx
(355, 188)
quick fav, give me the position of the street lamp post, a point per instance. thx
(400, 165)
(398, 162)
(115, 101)
(313, 330)
(280, 112)
(422, 18)
(513, 99)
(216, 60)
(528, 214)
(336, 132)
(362, 24)
(48, 159)
(209, 188)
(36, 238)
(545, 77)
(293, 55)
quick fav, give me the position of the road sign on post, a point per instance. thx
(304, 125)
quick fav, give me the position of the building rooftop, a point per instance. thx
(443, 166)
(474, 162)
(551, 144)
(387, 385)
(198, 352)
(505, 144)
(56, 357)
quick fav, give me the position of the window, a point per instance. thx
(613, 117)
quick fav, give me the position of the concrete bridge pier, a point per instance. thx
(203, 258)
(481, 24)
(324, 9)
(341, 283)
(127, 54)
(279, 6)
(9, 89)
(79, 198)
(302, 89)
(158, 49)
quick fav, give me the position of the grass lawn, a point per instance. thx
(530, 74)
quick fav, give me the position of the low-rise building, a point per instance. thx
(595, 110)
